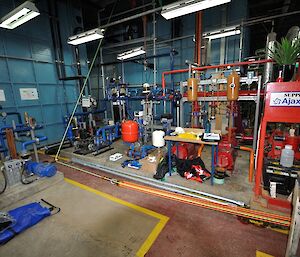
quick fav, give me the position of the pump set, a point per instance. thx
(17, 165)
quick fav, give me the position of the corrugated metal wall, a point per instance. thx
(27, 60)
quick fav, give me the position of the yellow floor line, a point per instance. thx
(154, 233)
(52, 155)
(282, 231)
(262, 254)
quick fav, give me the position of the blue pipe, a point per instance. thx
(17, 114)
(87, 113)
(27, 143)
(3, 146)
(102, 132)
(5, 127)
(30, 142)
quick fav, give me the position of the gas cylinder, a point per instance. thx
(233, 85)
(130, 131)
(293, 140)
(192, 91)
(185, 151)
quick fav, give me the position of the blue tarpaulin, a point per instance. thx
(25, 217)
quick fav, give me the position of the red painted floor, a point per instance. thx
(193, 231)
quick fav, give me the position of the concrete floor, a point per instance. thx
(88, 225)
(190, 232)
(236, 187)
(193, 231)
(96, 231)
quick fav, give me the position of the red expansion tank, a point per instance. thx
(130, 131)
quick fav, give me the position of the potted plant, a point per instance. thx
(286, 53)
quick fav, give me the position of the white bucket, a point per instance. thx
(158, 138)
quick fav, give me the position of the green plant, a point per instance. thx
(286, 52)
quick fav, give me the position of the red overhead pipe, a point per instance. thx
(208, 68)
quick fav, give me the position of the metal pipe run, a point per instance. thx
(131, 17)
(156, 183)
(205, 203)
(234, 210)
(163, 82)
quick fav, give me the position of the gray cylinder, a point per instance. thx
(268, 70)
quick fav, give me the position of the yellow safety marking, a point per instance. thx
(262, 254)
(282, 231)
(154, 233)
(52, 155)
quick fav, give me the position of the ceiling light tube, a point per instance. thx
(86, 36)
(19, 15)
(226, 32)
(131, 53)
(181, 8)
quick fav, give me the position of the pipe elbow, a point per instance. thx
(41, 138)
(27, 143)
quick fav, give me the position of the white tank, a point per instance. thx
(158, 138)
(287, 156)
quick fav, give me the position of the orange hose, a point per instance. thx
(200, 150)
(239, 211)
(196, 199)
(251, 163)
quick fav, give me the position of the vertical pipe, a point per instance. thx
(241, 42)
(103, 82)
(268, 69)
(154, 48)
(198, 38)
(34, 146)
(260, 159)
(256, 115)
(181, 110)
(11, 143)
(78, 66)
(123, 72)
(154, 54)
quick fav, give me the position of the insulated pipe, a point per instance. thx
(163, 82)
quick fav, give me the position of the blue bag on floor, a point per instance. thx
(24, 217)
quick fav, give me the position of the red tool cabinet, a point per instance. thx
(282, 104)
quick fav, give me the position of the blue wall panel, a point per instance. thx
(50, 94)
(45, 73)
(21, 71)
(52, 114)
(17, 46)
(27, 60)
(4, 71)
(9, 96)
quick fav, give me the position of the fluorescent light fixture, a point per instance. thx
(19, 15)
(86, 36)
(181, 8)
(131, 53)
(226, 32)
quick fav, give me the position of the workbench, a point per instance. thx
(177, 139)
